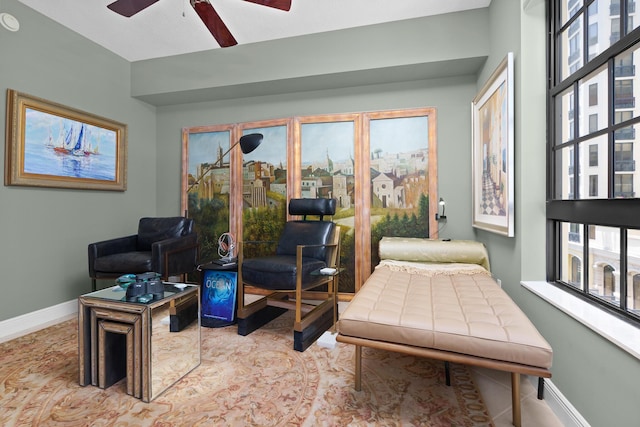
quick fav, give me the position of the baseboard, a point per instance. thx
(36, 320)
(561, 407)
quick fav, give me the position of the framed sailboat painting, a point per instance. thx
(51, 145)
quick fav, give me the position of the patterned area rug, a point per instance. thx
(254, 380)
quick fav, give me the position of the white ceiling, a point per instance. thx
(171, 27)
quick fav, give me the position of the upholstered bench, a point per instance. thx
(454, 312)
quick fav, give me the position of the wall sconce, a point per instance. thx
(441, 204)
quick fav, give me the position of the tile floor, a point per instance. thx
(495, 387)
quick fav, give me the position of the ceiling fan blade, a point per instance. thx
(129, 8)
(214, 23)
(276, 4)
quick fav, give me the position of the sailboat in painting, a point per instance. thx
(78, 149)
(64, 143)
(75, 145)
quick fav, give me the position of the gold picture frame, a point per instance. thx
(492, 152)
(51, 145)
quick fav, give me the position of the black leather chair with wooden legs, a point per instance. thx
(289, 280)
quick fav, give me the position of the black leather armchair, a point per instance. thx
(168, 246)
(293, 274)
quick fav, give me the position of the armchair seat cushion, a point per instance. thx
(125, 262)
(278, 272)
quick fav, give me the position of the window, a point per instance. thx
(623, 185)
(571, 267)
(593, 34)
(624, 66)
(593, 123)
(593, 185)
(624, 157)
(592, 153)
(624, 94)
(623, 116)
(615, 30)
(593, 94)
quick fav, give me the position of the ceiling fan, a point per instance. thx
(205, 11)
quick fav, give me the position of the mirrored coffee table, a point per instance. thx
(152, 344)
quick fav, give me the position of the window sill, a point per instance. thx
(619, 332)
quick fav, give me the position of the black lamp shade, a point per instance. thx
(250, 142)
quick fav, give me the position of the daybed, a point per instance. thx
(437, 299)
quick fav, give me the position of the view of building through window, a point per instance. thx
(594, 151)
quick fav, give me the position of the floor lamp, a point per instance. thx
(248, 143)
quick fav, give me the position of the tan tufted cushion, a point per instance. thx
(468, 314)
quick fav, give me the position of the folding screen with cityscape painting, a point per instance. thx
(391, 158)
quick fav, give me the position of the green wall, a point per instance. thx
(596, 376)
(44, 232)
(406, 50)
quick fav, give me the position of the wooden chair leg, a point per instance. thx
(358, 367)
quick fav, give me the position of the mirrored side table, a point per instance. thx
(153, 344)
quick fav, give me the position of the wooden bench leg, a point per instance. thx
(515, 398)
(358, 367)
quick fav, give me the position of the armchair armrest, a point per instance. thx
(110, 247)
(176, 255)
(332, 260)
(175, 244)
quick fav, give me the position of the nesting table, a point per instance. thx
(152, 344)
